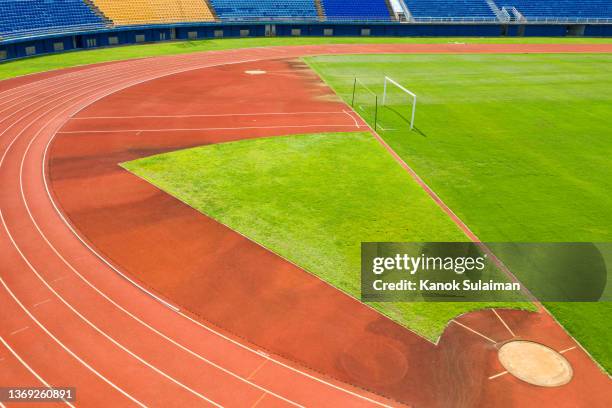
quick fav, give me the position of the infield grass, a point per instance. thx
(83, 57)
(313, 199)
(519, 146)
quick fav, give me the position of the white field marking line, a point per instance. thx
(36, 92)
(196, 129)
(30, 369)
(62, 90)
(137, 319)
(258, 400)
(498, 375)
(14, 332)
(504, 323)
(566, 350)
(68, 88)
(35, 96)
(92, 250)
(41, 303)
(256, 370)
(352, 117)
(207, 116)
(474, 331)
(385, 129)
(96, 328)
(70, 98)
(62, 345)
(63, 77)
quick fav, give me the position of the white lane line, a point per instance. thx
(19, 330)
(567, 349)
(258, 400)
(504, 323)
(352, 117)
(198, 129)
(256, 370)
(120, 273)
(474, 331)
(111, 301)
(30, 369)
(207, 116)
(498, 375)
(62, 345)
(41, 303)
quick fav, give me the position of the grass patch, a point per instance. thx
(70, 59)
(518, 146)
(313, 199)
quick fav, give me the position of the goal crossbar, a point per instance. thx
(412, 94)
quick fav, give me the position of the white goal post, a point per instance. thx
(412, 94)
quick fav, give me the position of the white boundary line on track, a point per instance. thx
(504, 323)
(474, 331)
(136, 284)
(62, 345)
(199, 129)
(498, 375)
(30, 369)
(207, 116)
(567, 349)
(135, 318)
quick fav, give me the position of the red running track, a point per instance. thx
(70, 318)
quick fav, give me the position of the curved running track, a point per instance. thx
(71, 317)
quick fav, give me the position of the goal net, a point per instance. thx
(365, 102)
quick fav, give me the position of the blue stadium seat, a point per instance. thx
(356, 10)
(450, 9)
(265, 9)
(570, 9)
(32, 17)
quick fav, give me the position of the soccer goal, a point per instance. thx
(397, 96)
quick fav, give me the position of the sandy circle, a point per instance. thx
(255, 72)
(535, 363)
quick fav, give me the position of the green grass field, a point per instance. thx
(313, 199)
(518, 146)
(70, 59)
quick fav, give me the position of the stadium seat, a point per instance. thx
(265, 9)
(450, 9)
(564, 9)
(135, 12)
(20, 18)
(356, 10)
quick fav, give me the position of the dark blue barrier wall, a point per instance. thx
(19, 48)
(601, 30)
